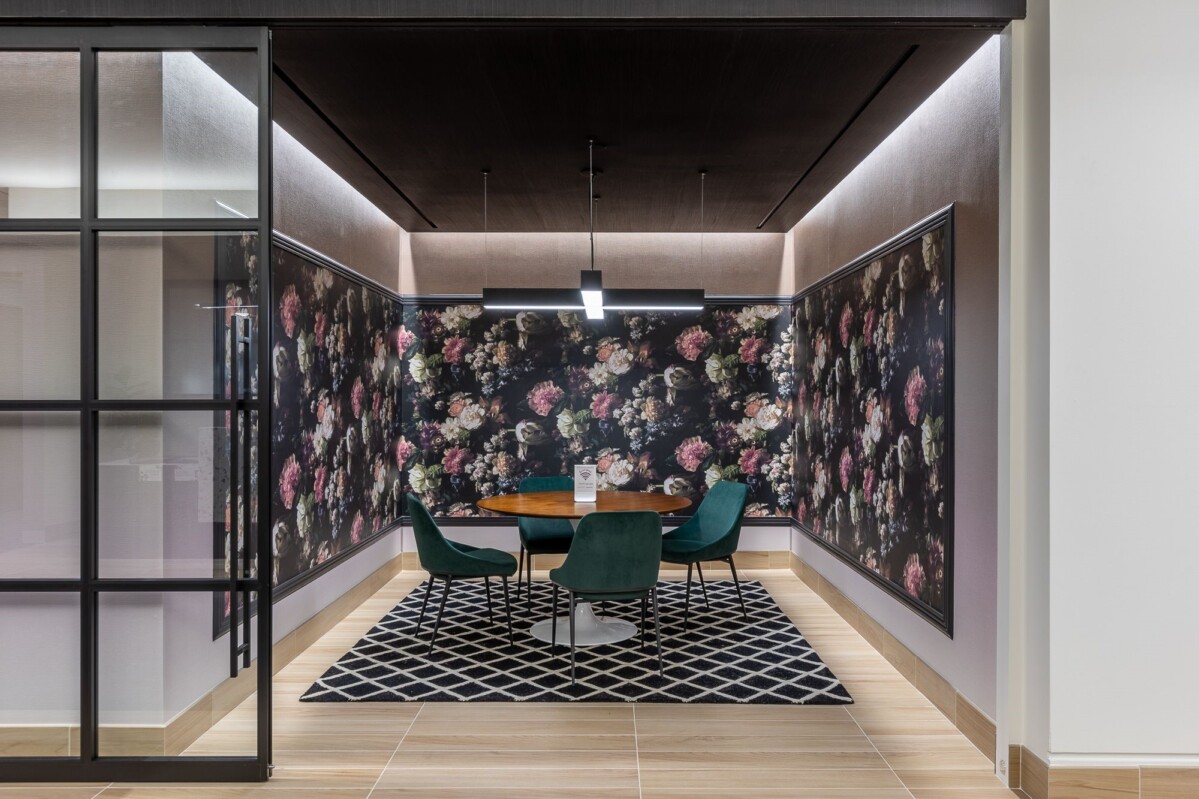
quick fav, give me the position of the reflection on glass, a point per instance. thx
(164, 492)
(167, 307)
(39, 495)
(39, 315)
(39, 700)
(39, 135)
(178, 134)
(158, 666)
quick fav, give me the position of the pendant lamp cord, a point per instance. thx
(591, 196)
(486, 248)
(703, 173)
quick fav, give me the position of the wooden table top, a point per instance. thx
(562, 505)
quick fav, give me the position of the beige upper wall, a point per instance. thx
(946, 152)
(317, 207)
(733, 263)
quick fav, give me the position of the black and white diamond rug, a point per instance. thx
(721, 658)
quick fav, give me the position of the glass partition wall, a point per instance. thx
(134, 235)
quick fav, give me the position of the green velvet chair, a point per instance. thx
(542, 536)
(615, 557)
(712, 533)
(449, 560)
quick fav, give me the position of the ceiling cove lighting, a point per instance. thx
(591, 297)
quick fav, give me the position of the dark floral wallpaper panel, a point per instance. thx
(663, 402)
(335, 414)
(872, 417)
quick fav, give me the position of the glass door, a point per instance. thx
(135, 600)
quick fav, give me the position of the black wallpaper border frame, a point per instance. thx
(943, 217)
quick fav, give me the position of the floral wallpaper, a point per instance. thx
(871, 432)
(335, 414)
(664, 402)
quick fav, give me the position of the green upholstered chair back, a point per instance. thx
(719, 515)
(436, 554)
(556, 483)
(613, 553)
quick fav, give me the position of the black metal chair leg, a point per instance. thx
(687, 597)
(644, 600)
(657, 632)
(508, 611)
(529, 582)
(699, 567)
(520, 569)
(440, 611)
(428, 590)
(737, 583)
(572, 637)
(490, 614)
(554, 616)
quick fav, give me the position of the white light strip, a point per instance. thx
(524, 307)
(653, 307)
(218, 307)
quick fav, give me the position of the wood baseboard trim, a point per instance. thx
(972, 722)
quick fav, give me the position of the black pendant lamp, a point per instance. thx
(591, 297)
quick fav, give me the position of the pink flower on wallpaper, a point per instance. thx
(376, 402)
(289, 482)
(322, 474)
(402, 338)
(455, 349)
(692, 453)
(544, 397)
(913, 395)
(403, 451)
(692, 342)
(320, 326)
(913, 576)
(868, 325)
(604, 463)
(751, 349)
(455, 459)
(605, 352)
(357, 394)
(801, 512)
(869, 481)
(846, 468)
(289, 310)
(356, 528)
(603, 403)
(846, 325)
(752, 460)
(802, 401)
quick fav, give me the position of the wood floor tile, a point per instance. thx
(510, 750)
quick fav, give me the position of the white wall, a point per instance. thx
(1124, 205)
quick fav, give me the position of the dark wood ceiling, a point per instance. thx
(777, 115)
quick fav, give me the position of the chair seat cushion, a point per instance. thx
(684, 551)
(483, 562)
(545, 536)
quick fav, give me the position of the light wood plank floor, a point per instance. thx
(891, 744)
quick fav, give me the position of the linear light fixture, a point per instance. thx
(591, 297)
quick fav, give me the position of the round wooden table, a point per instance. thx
(590, 629)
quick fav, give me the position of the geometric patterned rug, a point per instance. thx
(720, 659)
